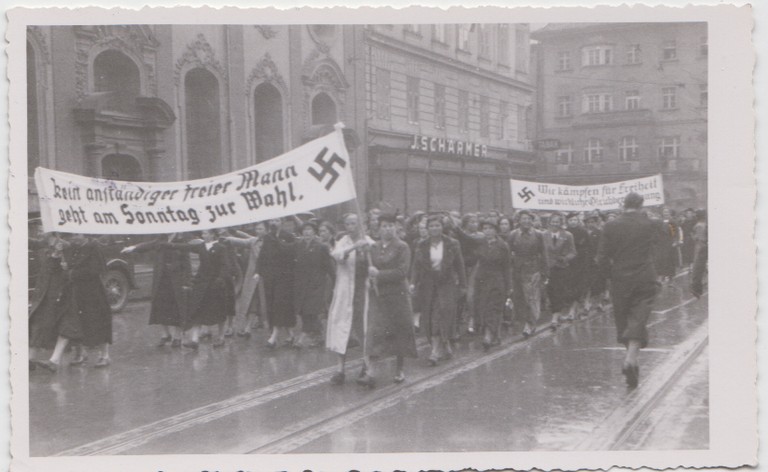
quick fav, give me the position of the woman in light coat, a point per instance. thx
(346, 316)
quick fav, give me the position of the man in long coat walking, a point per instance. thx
(627, 251)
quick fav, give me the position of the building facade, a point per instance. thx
(162, 103)
(449, 115)
(621, 101)
(441, 115)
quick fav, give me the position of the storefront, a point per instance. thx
(417, 172)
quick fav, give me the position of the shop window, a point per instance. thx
(443, 192)
(203, 124)
(121, 167)
(323, 110)
(33, 117)
(393, 190)
(267, 122)
(116, 73)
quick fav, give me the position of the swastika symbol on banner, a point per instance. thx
(526, 194)
(327, 168)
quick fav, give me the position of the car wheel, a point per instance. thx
(117, 287)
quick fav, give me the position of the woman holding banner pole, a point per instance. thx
(346, 316)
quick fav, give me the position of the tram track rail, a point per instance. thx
(617, 428)
(297, 434)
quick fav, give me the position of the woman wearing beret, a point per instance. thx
(390, 319)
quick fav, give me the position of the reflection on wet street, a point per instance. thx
(550, 392)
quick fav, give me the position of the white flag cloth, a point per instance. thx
(609, 196)
(314, 175)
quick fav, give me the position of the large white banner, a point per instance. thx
(314, 175)
(610, 196)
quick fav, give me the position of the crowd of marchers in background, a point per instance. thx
(376, 284)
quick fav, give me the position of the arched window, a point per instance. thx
(323, 110)
(115, 72)
(267, 122)
(33, 124)
(203, 126)
(121, 167)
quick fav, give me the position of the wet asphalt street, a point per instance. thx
(556, 391)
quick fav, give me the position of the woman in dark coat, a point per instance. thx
(276, 266)
(390, 320)
(213, 288)
(438, 280)
(171, 276)
(491, 283)
(86, 267)
(560, 252)
(88, 319)
(314, 271)
(49, 304)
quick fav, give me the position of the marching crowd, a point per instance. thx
(377, 284)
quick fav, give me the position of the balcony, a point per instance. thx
(613, 118)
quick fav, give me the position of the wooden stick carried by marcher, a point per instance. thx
(339, 126)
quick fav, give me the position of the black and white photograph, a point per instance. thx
(360, 236)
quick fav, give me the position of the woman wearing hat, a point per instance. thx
(390, 321)
(491, 282)
(438, 279)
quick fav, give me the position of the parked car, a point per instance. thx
(119, 277)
